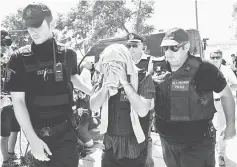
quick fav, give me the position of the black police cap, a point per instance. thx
(35, 13)
(132, 37)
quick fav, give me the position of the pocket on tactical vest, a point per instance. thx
(179, 109)
(159, 104)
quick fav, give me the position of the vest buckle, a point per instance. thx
(46, 131)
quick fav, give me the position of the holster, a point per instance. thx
(211, 131)
(51, 130)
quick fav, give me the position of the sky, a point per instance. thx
(214, 16)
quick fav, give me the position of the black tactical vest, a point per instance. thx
(177, 98)
(43, 92)
(119, 114)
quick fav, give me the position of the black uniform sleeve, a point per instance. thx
(72, 61)
(209, 78)
(15, 74)
(146, 88)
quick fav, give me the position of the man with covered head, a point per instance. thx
(41, 81)
(184, 105)
(125, 100)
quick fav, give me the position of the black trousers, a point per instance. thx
(8, 121)
(199, 154)
(64, 150)
(109, 159)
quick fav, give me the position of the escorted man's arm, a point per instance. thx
(38, 147)
(139, 103)
(228, 104)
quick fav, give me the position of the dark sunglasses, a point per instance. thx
(215, 57)
(131, 45)
(174, 48)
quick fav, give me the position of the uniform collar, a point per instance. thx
(45, 46)
(143, 57)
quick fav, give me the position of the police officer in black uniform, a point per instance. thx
(184, 105)
(41, 80)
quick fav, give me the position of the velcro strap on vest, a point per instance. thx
(46, 101)
(35, 67)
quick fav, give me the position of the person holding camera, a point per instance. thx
(42, 76)
(9, 124)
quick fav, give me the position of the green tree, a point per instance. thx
(109, 17)
(90, 21)
(93, 20)
(126, 16)
(76, 26)
(144, 11)
(14, 24)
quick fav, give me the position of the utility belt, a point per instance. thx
(52, 130)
